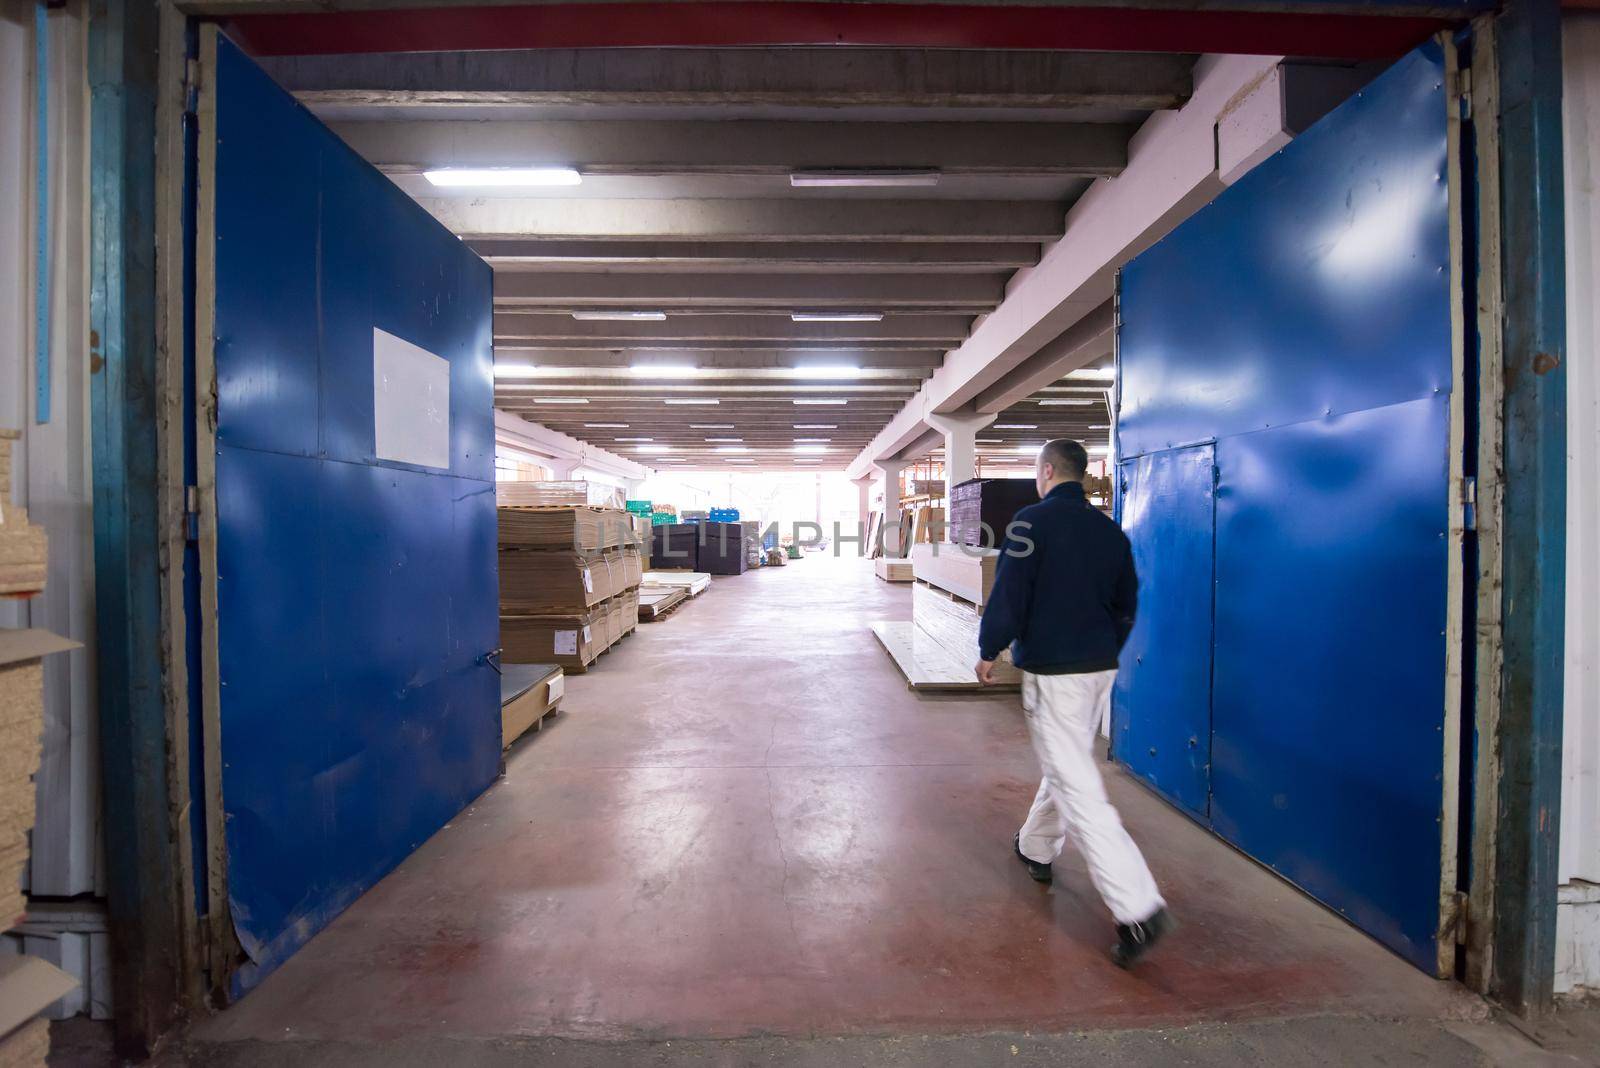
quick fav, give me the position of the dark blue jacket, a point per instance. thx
(1064, 588)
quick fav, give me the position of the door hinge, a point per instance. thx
(1469, 503)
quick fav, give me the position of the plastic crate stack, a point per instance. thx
(723, 515)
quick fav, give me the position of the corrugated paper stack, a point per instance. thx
(24, 551)
(569, 584)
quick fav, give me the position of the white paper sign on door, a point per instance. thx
(410, 402)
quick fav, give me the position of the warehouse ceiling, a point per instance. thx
(764, 252)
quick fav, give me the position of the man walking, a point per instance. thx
(1063, 600)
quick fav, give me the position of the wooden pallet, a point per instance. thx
(929, 666)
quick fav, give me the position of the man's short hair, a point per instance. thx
(1068, 458)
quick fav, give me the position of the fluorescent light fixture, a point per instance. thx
(1016, 426)
(636, 439)
(1063, 401)
(864, 178)
(724, 440)
(609, 315)
(800, 440)
(810, 448)
(839, 370)
(651, 448)
(835, 317)
(664, 370)
(1102, 375)
(606, 426)
(515, 370)
(816, 426)
(503, 176)
(561, 400)
(674, 400)
(731, 448)
(836, 401)
(1099, 426)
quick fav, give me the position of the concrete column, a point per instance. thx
(960, 443)
(889, 473)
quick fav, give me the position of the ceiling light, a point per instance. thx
(1103, 375)
(606, 426)
(651, 448)
(730, 448)
(604, 315)
(1016, 426)
(716, 440)
(503, 176)
(636, 439)
(710, 426)
(515, 370)
(816, 426)
(1060, 401)
(798, 440)
(820, 400)
(864, 178)
(561, 400)
(1099, 426)
(672, 400)
(664, 370)
(835, 317)
(810, 448)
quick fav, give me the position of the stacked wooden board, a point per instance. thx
(657, 601)
(893, 569)
(557, 494)
(528, 693)
(982, 508)
(24, 550)
(938, 648)
(569, 584)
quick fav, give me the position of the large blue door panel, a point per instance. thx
(1161, 706)
(1328, 696)
(1302, 321)
(357, 597)
(1318, 284)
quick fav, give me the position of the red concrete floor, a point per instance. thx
(743, 823)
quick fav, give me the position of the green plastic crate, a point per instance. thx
(640, 507)
(661, 519)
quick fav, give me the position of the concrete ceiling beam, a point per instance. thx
(723, 77)
(1172, 172)
(930, 330)
(977, 292)
(522, 254)
(1090, 339)
(754, 147)
(770, 362)
(774, 220)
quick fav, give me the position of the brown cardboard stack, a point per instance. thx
(23, 549)
(534, 581)
(564, 494)
(569, 583)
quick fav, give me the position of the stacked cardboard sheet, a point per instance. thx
(571, 639)
(965, 571)
(565, 494)
(583, 529)
(24, 551)
(528, 693)
(534, 581)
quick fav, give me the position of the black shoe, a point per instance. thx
(1134, 940)
(1039, 873)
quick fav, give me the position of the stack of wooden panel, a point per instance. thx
(24, 551)
(937, 648)
(965, 571)
(569, 584)
(982, 508)
(557, 494)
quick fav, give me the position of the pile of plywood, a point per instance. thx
(893, 569)
(569, 584)
(561, 494)
(24, 551)
(572, 639)
(657, 601)
(528, 693)
(964, 570)
(694, 583)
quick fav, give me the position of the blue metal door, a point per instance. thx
(353, 562)
(1303, 321)
(1161, 706)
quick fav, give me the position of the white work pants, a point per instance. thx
(1064, 714)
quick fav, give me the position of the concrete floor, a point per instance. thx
(744, 830)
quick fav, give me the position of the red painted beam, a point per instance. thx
(741, 23)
